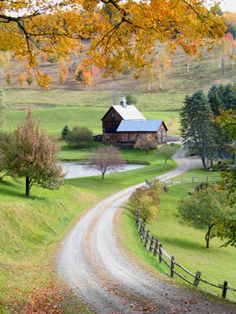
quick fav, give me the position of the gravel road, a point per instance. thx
(93, 264)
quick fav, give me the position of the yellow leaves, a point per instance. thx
(44, 80)
(21, 79)
(120, 32)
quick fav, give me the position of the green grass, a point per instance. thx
(117, 181)
(185, 243)
(30, 232)
(53, 120)
(23, 98)
(31, 229)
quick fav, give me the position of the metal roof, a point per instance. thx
(139, 125)
(129, 112)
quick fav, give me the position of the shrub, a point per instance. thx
(147, 200)
(80, 137)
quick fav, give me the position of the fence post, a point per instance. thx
(142, 230)
(172, 265)
(146, 241)
(225, 287)
(156, 247)
(151, 244)
(207, 179)
(197, 278)
(160, 253)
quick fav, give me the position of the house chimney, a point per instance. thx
(123, 102)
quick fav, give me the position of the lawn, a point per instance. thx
(23, 98)
(117, 181)
(53, 120)
(31, 230)
(185, 243)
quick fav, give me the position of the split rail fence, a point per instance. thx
(192, 180)
(155, 248)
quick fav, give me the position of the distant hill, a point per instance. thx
(184, 75)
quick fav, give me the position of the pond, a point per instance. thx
(78, 169)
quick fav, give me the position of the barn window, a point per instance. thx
(113, 117)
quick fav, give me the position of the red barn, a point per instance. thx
(122, 124)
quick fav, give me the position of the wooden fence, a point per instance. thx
(191, 180)
(155, 248)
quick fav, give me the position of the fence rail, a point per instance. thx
(155, 248)
(194, 179)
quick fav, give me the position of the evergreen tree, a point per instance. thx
(197, 126)
(221, 97)
(65, 132)
(215, 101)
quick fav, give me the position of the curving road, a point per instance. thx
(93, 264)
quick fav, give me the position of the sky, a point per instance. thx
(228, 5)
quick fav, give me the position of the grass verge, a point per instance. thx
(185, 243)
(30, 232)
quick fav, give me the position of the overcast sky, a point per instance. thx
(228, 5)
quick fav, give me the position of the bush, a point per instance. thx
(147, 200)
(80, 137)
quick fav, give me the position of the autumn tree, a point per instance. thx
(166, 151)
(146, 142)
(146, 200)
(21, 79)
(106, 158)
(121, 33)
(33, 156)
(8, 78)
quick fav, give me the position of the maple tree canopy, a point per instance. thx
(121, 33)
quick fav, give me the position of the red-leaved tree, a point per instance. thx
(106, 158)
(34, 156)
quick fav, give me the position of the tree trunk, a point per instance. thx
(203, 162)
(147, 151)
(27, 187)
(188, 67)
(103, 175)
(166, 160)
(207, 236)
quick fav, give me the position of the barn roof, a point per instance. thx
(140, 126)
(129, 112)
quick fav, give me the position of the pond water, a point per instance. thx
(78, 170)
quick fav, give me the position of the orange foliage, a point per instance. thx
(44, 80)
(21, 79)
(120, 32)
(87, 78)
(8, 78)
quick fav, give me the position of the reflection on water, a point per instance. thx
(77, 170)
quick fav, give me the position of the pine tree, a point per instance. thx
(197, 126)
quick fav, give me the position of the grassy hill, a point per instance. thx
(30, 232)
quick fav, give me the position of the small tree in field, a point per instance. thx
(65, 131)
(106, 158)
(34, 156)
(204, 209)
(146, 142)
(167, 151)
(147, 200)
